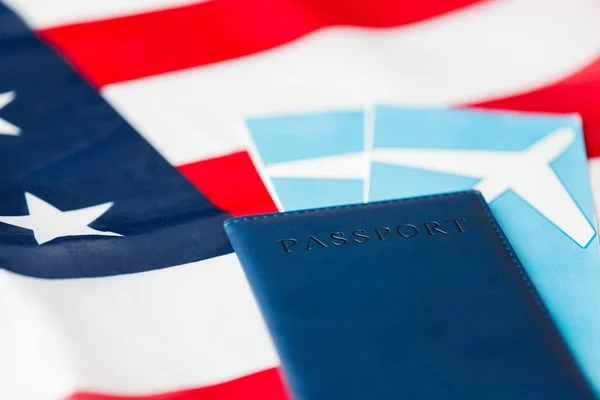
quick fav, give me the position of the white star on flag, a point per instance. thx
(48, 222)
(6, 128)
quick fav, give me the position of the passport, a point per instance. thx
(531, 168)
(421, 298)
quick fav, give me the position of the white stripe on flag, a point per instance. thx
(187, 326)
(48, 13)
(496, 49)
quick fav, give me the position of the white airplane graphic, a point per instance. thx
(527, 173)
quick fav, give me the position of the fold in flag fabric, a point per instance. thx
(122, 151)
(116, 274)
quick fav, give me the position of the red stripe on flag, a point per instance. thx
(231, 183)
(264, 385)
(125, 48)
(578, 93)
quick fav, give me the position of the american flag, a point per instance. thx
(120, 156)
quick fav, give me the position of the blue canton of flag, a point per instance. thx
(527, 166)
(81, 193)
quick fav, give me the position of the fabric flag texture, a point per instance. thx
(117, 281)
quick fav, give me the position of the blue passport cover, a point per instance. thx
(421, 298)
